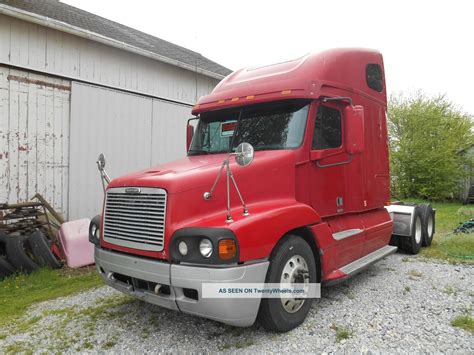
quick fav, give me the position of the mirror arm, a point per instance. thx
(246, 210)
(229, 177)
(339, 98)
(104, 177)
(192, 119)
(208, 195)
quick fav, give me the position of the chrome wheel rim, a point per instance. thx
(295, 271)
(418, 230)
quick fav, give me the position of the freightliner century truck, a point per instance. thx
(286, 180)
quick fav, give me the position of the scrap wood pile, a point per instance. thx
(29, 236)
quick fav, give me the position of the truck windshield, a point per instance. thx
(277, 125)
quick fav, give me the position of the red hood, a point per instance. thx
(270, 177)
(198, 171)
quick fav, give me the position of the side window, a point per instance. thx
(327, 130)
(373, 76)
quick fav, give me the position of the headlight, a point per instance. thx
(183, 248)
(94, 230)
(205, 248)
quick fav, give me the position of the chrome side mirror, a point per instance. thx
(101, 162)
(104, 177)
(244, 154)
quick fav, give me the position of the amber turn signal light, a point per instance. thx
(227, 249)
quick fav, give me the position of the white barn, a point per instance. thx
(72, 85)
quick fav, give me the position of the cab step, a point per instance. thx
(358, 265)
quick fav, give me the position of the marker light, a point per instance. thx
(227, 249)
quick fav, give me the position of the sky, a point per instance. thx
(427, 45)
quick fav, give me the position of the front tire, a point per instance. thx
(292, 259)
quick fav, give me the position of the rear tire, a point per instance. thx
(412, 244)
(41, 249)
(273, 314)
(17, 253)
(428, 221)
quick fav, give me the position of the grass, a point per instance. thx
(19, 292)
(60, 337)
(234, 334)
(342, 333)
(454, 248)
(450, 290)
(465, 322)
(17, 348)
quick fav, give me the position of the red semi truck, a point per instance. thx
(286, 179)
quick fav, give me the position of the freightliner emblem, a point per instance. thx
(132, 190)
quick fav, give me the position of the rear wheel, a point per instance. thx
(292, 262)
(428, 220)
(412, 244)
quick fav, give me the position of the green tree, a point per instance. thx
(427, 136)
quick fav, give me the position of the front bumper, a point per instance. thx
(240, 312)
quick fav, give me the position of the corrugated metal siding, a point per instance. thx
(38, 48)
(134, 132)
(168, 131)
(34, 137)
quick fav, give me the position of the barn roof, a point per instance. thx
(93, 24)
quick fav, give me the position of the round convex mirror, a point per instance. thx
(101, 161)
(244, 154)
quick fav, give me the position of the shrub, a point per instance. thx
(427, 136)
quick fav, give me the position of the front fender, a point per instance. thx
(259, 232)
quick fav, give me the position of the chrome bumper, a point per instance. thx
(240, 312)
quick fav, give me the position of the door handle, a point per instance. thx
(334, 164)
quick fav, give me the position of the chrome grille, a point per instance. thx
(135, 220)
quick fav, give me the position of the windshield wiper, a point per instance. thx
(205, 152)
(198, 152)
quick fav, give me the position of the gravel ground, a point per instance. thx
(401, 304)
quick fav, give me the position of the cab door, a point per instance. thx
(327, 180)
(327, 161)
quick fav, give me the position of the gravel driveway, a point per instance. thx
(400, 304)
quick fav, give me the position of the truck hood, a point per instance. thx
(196, 172)
(270, 178)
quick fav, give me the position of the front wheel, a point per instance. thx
(292, 262)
